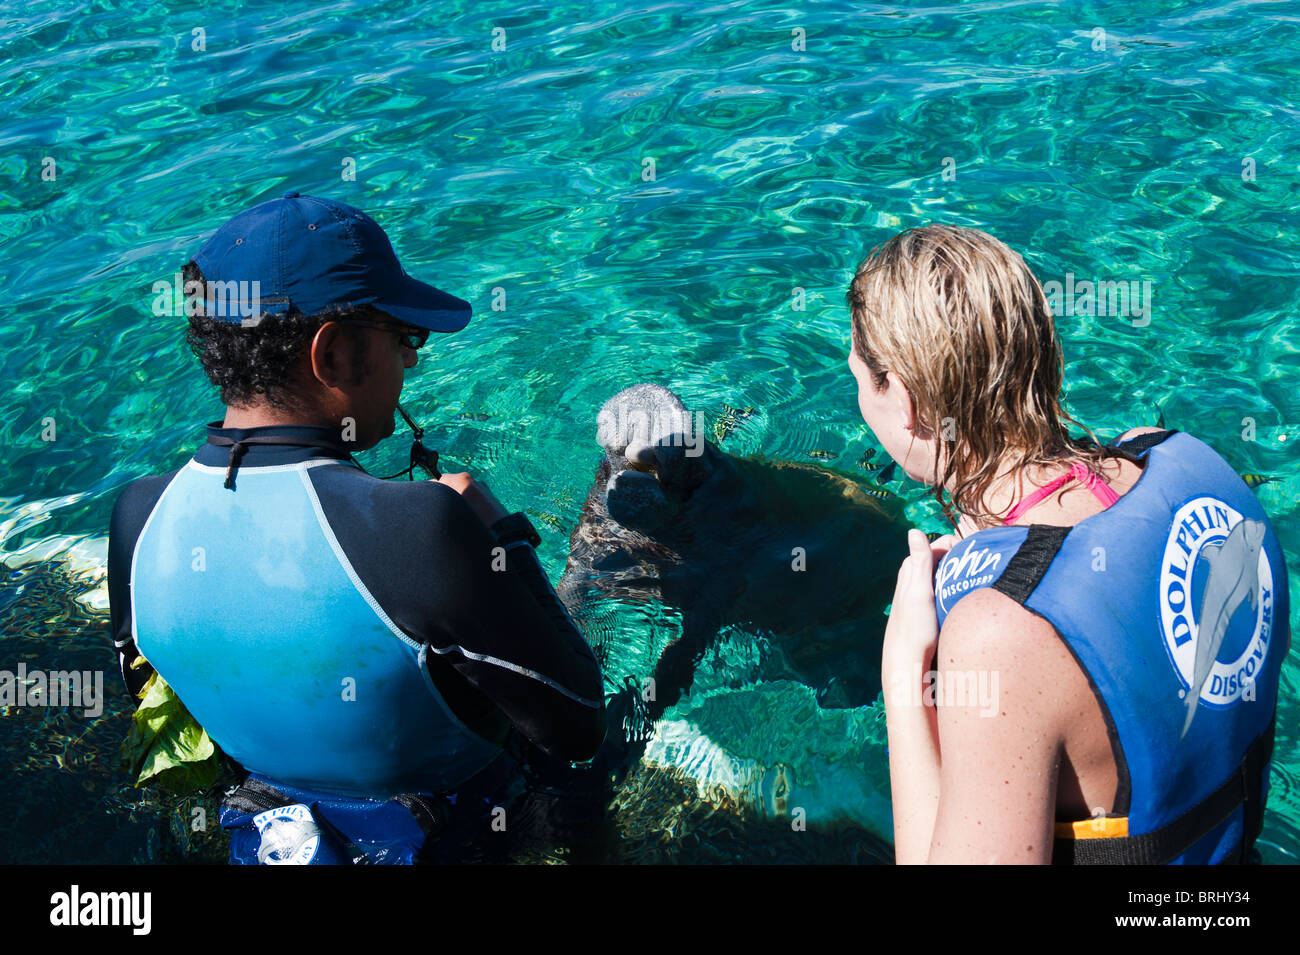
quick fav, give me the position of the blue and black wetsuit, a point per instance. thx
(338, 633)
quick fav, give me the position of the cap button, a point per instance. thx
(292, 194)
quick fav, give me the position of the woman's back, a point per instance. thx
(1089, 775)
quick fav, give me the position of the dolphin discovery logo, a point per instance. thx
(289, 836)
(964, 570)
(1214, 562)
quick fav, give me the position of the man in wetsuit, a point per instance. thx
(363, 648)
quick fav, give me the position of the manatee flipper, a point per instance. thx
(634, 499)
(628, 727)
(675, 671)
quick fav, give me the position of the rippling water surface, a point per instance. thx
(1168, 155)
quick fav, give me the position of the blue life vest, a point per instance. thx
(250, 609)
(1174, 602)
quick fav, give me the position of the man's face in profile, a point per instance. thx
(375, 386)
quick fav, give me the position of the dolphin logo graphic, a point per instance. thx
(1234, 577)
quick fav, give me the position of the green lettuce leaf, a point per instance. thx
(165, 746)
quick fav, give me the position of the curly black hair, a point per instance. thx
(255, 363)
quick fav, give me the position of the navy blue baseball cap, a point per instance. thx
(311, 255)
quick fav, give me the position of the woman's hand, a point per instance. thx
(913, 629)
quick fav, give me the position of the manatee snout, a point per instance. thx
(657, 458)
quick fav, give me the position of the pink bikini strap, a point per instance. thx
(1099, 488)
(1078, 472)
(1037, 496)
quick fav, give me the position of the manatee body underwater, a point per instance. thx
(795, 553)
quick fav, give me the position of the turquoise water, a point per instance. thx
(522, 169)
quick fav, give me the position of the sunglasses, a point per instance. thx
(408, 335)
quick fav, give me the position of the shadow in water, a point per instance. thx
(68, 799)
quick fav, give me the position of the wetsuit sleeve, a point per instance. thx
(565, 664)
(132, 510)
(522, 562)
(505, 631)
(490, 618)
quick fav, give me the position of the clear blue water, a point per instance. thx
(522, 170)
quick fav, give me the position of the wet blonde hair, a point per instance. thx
(966, 327)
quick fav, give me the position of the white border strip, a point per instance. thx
(347, 564)
(423, 660)
(421, 649)
(507, 665)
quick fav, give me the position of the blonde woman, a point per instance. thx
(1091, 674)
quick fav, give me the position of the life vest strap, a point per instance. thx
(1170, 841)
(1135, 447)
(1027, 567)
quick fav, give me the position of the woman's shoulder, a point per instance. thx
(988, 616)
(989, 633)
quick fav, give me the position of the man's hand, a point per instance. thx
(476, 494)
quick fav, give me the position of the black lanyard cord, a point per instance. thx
(238, 447)
(421, 457)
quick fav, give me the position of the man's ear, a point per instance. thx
(329, 356)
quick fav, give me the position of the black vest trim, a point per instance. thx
(1134, 448)
(1027, 567)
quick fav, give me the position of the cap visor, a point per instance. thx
(424, 306)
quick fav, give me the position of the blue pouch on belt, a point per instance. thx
(274, 824)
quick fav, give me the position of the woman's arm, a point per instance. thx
(911, 724)
(913, 757)
(1003, 741)
(1005, 684)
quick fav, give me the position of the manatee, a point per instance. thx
(794, 553)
